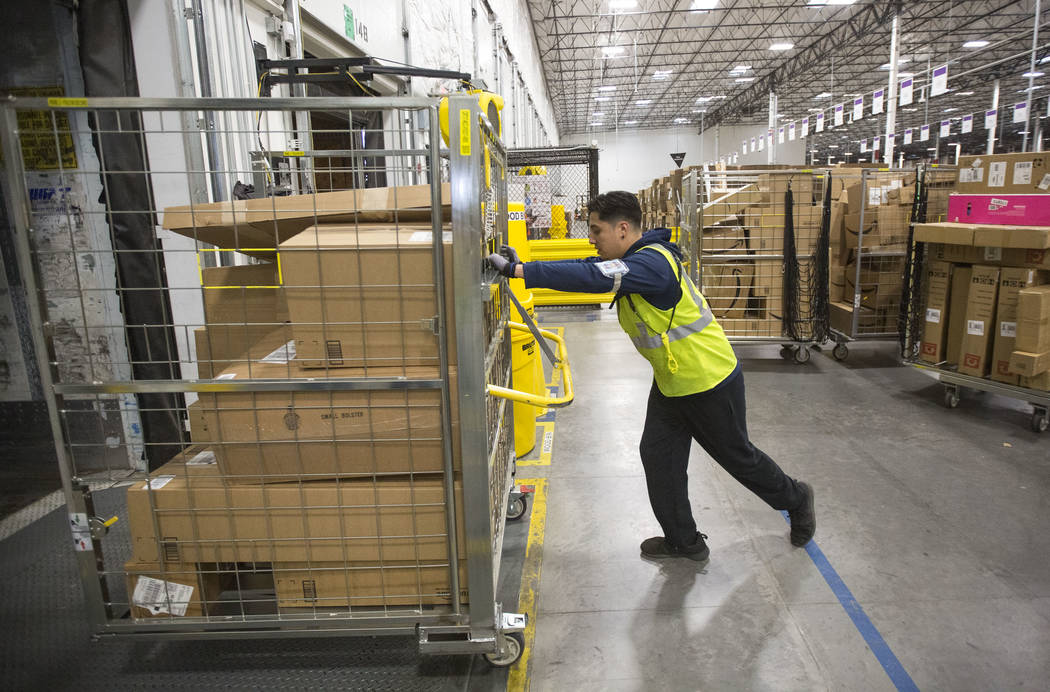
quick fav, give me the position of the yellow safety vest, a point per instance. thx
(687, 348)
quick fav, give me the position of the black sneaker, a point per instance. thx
(658, 548)
(803, 518)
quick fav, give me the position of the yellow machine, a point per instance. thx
(491, 105)
(525, 359)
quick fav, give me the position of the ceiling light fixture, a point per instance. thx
(681, 121)
(744, 79)
(622, 4)
(597, 114)
(740, 69)
(607, 88)
(662, 74)
(782, 46)
(705, 99)
(824, 95)
(900, 61)
(975, 44)
(602, 98)
(701, 110)
(643, 102)
(950, 110)
(595, 124)
(702, 6)
(612, 51)
(1033, 74)
(630, 122)
(822, 3)
(965, 93)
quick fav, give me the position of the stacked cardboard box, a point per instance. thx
(339, 496)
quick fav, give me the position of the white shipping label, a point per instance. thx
(1023, 173)
(159, 596)
(875, 196)
(282, 354)
(971, 175)
(1008, 329)
(993, 254)
(996, 203)
(933, 315)
(975, 327)
(997, 174)
(205, 458)
(78, 524)
(612, 268)
(977, 162)
(1044, 184)
(428, 236)
(158, 482)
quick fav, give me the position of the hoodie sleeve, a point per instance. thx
(648, 274)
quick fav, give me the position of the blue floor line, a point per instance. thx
(879, 647)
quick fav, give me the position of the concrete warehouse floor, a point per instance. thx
(928, 569)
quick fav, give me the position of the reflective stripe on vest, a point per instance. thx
(643, 340)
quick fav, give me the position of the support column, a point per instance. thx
(771, 131)
(891, 92)
(998, 116)
(1031, 78)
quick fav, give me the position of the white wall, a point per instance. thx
(630, 159)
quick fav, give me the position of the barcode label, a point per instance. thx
(997, 174)
(975, 327)
(282, 354)
(971, 175)
(933, 315)
(205, 458)
(158, 482)
(1044, 184)
(159, 596)
(1008, 329)
(1023, 173)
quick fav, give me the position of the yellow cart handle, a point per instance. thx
(561, 364)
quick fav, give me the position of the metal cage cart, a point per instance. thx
(869, 253)
(285, 413)
(554, 185)
(925, 352)
(756, 241)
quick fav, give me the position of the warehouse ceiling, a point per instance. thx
(621, 64)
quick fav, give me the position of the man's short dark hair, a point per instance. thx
(616, 206)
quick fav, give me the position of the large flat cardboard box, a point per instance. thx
(979, 321)
(283, 436)
(338, 584)
(1033, 319)
(959, 294)
(1016, 174)
(221, 346)
(935, 329)
(363, 296)
(1011, 281)
(201, 518)
(172, 591)
(727, 240)
(1012, 210)
(944, 232)
(245, 294)
(258, 226)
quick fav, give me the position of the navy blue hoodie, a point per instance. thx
(649, 273)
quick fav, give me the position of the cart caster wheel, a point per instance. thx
(787, 352)
(1040, 421)
(951, 398)
(517, 508)
(802, 355)
(841, 352)
(514, 645)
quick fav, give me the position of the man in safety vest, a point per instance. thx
(698, 388)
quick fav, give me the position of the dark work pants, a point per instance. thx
(717, 419)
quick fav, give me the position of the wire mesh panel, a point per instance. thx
(276, 378)
(878, 207)
(555, 184)
(762, 241)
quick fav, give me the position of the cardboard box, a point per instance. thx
(176, 590)
(1029, 364)
(869, 320)
(362, 296)
(768, 326)
(727, 287)
(1018, 174)
(945, 233)
(244, 294)
(935, 329)
(1033, 319)
(1014, 210)
(732, 240)
(958, 295)
(767, 231)
(284, 436)
(267, 222)
(1011, 281)
(893, 226)
(221, 346)
(979, 321)
(774, 186)
(338, 584)
(881, 281)
(1040, 381)
(201, 518)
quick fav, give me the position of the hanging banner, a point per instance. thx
(780, 135)
(840, 114)
(753, 143)
(939, 85)
(924, 133)
(791, 132)
(876, 102)
(967, 125)
(736, 158)
(743, 147)
(946, 128)
(907, 136)
(820, 122)
(805, 127)
(863, 146)
(858, 108)
(906, 92)
(989, 119)
(876, 143)
(1021, 112)
(761, 142)
(890, 140)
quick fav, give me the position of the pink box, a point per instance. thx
(1009, 210)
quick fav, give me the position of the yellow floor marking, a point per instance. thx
(546, 446)
(528, 598)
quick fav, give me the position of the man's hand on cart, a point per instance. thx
(505, 261)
